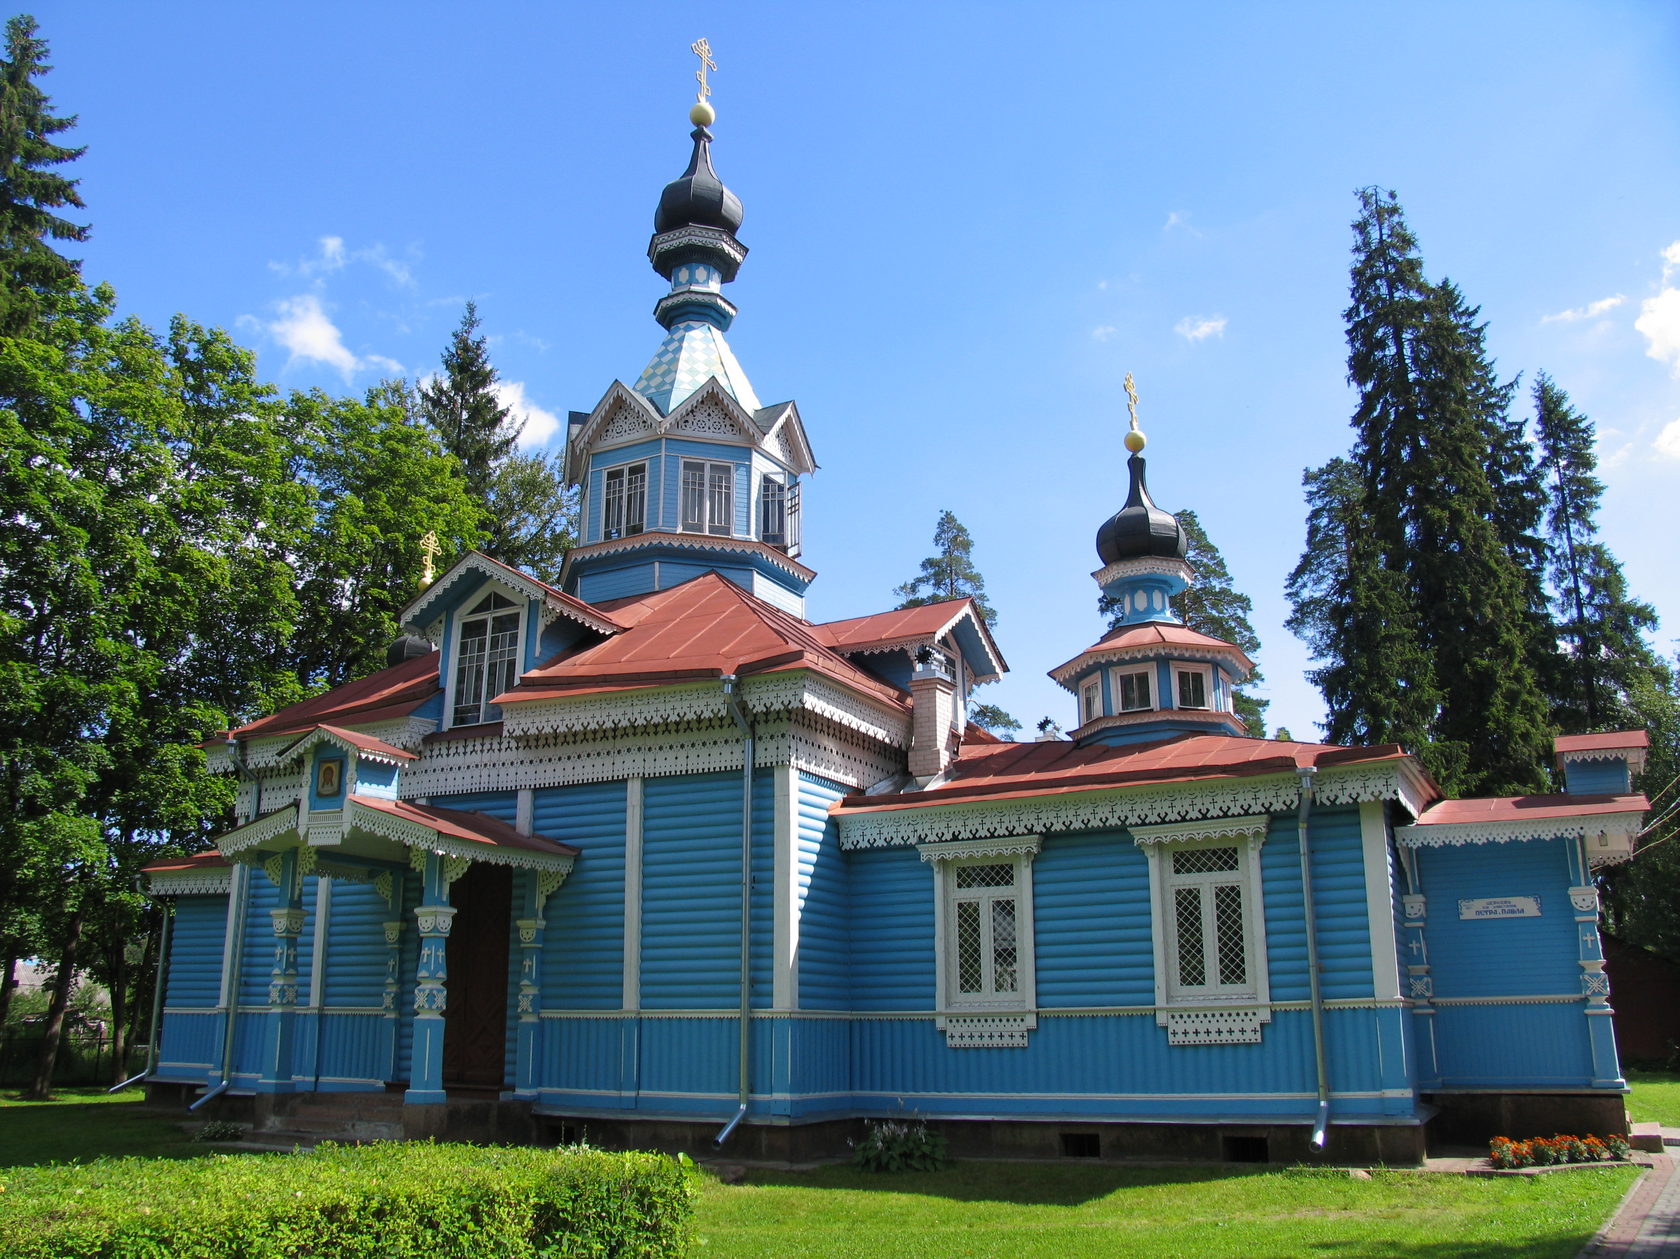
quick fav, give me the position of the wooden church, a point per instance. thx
(654, 858)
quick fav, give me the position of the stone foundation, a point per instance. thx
(1476, 1118)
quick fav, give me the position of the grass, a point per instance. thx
(1655, 1097)
(83, 1124)
(1066, 1212)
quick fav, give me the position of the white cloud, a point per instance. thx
(536, 425)
(333, 257)
(1590, 311)
(1668, 441)
(389, 366)
(1659, 321)
(1103, 332)
(306, 331)
(1671, 260)
(1200, 327)
(1179, 221)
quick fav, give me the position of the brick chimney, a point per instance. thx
(933, 714)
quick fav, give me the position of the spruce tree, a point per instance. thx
(1428, 615)
(31, 189)
(1213, 606)
(949, 573)
(530, 518)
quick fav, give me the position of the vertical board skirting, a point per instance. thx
(825, 894)
(323, 917)
(582, 963)
(1380, 900)
(788, 889)
(633, 894)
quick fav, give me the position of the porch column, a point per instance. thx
(539, 884)
(433, 918)
(1420, 988)
(390, 888)
(1595, 988)
(286, 871)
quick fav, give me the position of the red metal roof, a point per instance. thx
(1521, 808)
(882, 627)
(367, 743)
(989, 771)
(209, 859)
(704, 628)
(1609, 741)
(384, 696)
(474, 827)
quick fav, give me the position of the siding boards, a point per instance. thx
(892, 933)
(583, 944)
(501, 805)
(195, 952)
(1343, 922)
(825, 937)
(691, 884)
(1535, 956)
(1091, 922)
(356, 950)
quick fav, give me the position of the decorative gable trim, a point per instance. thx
(426, 612)
(325, 734)
(211, 882)
(784, 437)
(242, 840)
(1209, 828)
(711, 413)
(616, 406)
(1610, 835)
(421, 839)
(1232, 658)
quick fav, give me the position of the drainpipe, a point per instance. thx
(157, 995)
(1322, 1121)
(737, 710)
(239, 891)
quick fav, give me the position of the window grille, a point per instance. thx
(708, 497)
(1210, 936)
(987, 943)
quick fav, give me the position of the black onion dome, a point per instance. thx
(698, 196)
(1139, 528)
(408, 647)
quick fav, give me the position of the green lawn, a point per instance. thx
(83, 1124)
(1655, 1097)
(1066, 1211)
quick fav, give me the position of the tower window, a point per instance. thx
(624, 507)
(773, 511)
(708, 497)
(1194, 684)
(1090, 701)
(1133, 691)
(486, 659)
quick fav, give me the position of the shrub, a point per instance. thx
(390, 1199)
(220, 1130)
(899, 1145)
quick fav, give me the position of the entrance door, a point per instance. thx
(475, 1019)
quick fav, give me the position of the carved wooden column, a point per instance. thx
(1420, 987)
(433, 918)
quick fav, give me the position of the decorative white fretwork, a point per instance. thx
(1215, 1027)
(705, 419)
(1585, 901)
(992, 1031)
(626, 424)
(1205, 828)
(212, 882)
(421, 839)
(254, 834)
(1026, 844)
(1617, 830)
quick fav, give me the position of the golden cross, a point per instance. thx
(1131, 399)
(702, 49)
(429, 548)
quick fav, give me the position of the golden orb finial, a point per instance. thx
(1135, 440)
(701, 114)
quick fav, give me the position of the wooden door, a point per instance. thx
(475, 1020)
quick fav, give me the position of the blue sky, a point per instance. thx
(967, 223)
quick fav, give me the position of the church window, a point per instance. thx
(984, 936)
(1090, 701)
(1209, 928)
(1132, 689)
(624, 509)
(1193, 683)
(486, 659)
(708, 497)
(773, 511)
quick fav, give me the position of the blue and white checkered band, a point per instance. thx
(697, 275)
(691, 354)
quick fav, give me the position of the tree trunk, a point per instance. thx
(8, 985)
(119, 1015)
(63, 984)
(144, 981)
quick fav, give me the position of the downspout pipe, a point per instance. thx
(1321, 1121)
(157, 994)
(240, 893)
(737, 710)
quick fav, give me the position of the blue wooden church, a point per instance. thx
(653, 857)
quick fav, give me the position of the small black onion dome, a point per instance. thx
(698, 196)
(1139, 528)
(408, 647)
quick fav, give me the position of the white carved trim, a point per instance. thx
(246, 838)
(218, 759)
(321, 735)
(1618, 827)
(1399, 780)
(1146, 566)
(425, 612)
(211, 882)
(424, 839)
(1634, 756)
(405, 733)
(1027, 844)
(1235, 662)
(709, 542)
(979, 1018)
(988, 1031)
(1208, 828)
(1163, 931)
(1216, 1027)
(1094, 810)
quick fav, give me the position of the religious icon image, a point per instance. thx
(328, 779)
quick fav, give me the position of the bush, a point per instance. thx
(220, 1130)
(392, 1200)
(897, 1145)
(1552, 1151)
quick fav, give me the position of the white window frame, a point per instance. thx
(1090, 700)
(1005, 1013)
(1116, 687)
(624, 471)
(711, 507)
(773, 494)
(1203, 671)
(488, 712)
(1245, 835)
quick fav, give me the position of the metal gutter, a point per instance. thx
(737, 710)
(240, 892)
(1321, 1120)
(157, 997)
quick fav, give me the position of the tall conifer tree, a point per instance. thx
(31, 188)
(1439, 511)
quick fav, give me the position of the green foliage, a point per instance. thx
(391, 1200)
(1421, 587)
(31, 189)
(220, 1130)
(991, 717)
(899, 1145)
(948, 573)
(1508, 1155)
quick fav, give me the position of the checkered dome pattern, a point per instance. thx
(691, 354)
